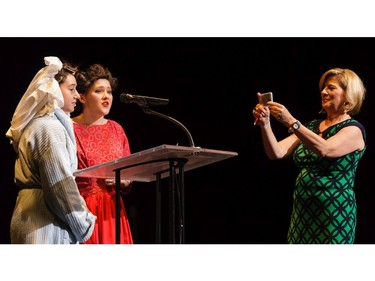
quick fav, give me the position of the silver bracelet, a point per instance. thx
(267, 125)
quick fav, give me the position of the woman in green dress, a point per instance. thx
(326, 153)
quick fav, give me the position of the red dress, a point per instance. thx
(97, 144)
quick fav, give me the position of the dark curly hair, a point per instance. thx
(86, 78)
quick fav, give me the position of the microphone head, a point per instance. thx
(126, 98)
(142, 100)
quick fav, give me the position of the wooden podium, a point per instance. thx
(152, 165)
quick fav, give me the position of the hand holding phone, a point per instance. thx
(265, 97)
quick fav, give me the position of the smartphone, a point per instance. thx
(266, 97)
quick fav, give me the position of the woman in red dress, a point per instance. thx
(100, 140)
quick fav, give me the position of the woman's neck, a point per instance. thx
(334, 119)
(85, 119)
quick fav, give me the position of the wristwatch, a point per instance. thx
(295, 126)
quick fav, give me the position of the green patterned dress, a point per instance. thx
(324, 204)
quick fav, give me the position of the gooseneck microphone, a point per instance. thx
(142, 100)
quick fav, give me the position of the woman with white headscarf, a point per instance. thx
(49, 208)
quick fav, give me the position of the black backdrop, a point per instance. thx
(211, 84)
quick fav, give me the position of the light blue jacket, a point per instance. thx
(49, 208)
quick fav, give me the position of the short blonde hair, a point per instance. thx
(353, 86)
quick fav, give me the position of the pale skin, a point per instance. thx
(333, 99)
(70, 94)
(97, 103)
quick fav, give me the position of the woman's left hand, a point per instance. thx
(125, 184)
(280, 112)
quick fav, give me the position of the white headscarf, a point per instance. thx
(41, 97)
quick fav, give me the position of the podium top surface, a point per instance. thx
(144, 165)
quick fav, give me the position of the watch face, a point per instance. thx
(295, 126)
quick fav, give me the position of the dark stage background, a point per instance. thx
(211, 84)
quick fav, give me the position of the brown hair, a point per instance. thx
(85, 79)
(67, 68)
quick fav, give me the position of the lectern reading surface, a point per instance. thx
(152, 165)
(143, 166)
